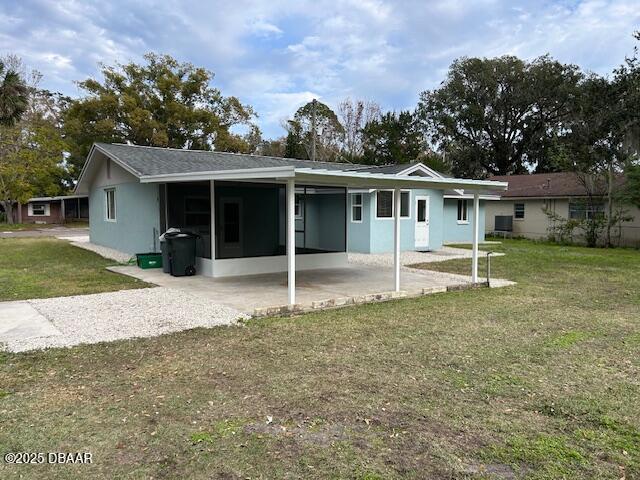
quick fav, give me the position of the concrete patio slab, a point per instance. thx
(19, 321)
(251, 292)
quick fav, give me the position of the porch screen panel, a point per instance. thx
(325, 213)
(188, 207)
(247, 220)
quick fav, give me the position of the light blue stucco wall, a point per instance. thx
(461, 232)
(375, 235)
(137, 217)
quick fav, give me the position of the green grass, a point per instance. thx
(539, 380)
(46, 267)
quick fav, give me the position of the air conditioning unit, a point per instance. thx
(504, 223)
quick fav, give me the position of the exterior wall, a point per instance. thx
(535, 223)
(53, 217)
(455, 232)
(375, 235)
(137, 223)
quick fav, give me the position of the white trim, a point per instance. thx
(381, 180)
(360, 205)
(393, 213)
(51, 199)
(469, 196)
(242, 173)
(421, 166)
(47, 209)
(108, 190)
(465, 209)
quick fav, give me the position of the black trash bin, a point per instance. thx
(181, 248)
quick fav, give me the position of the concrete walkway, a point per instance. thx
(20, 321)
(58, 232)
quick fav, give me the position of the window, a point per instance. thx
(463, 210)
(384, 204)
(404, 204)
(581, 210)
(356, 207)
(518, 210)
(298, 206)
(110, 201)
(39, 210)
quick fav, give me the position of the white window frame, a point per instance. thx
(357, 205)
(46, 209)
(524, 210)
(393, 204)
(465, 211)
(107, 192)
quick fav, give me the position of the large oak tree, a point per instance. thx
(499, 115)
(162, 103)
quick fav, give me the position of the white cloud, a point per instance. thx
(277, 54)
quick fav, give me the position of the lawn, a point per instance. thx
(539, 380)
(46, 267)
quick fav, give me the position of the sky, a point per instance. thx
(277, 55)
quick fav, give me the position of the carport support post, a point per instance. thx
(291, 240)
(396, 238)
(476, 229)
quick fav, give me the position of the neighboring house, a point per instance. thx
(58, 209)
(429, 217)
(527, 197)
(254, 214)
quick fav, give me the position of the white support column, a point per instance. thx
(291, 240)
(396, 239)
(476, 228)
(212, 189)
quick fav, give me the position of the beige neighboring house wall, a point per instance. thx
(535, 223)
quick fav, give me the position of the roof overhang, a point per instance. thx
(55, 199)
(239, 174)
(378, 180)
(469, 196)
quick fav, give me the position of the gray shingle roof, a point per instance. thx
(161, 161)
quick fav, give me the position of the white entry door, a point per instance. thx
(230, 243)
(422, 222)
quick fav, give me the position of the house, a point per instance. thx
(430, 218)
(254, 214)
(58, 209)
(524, 204)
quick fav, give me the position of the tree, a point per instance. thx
(161, 103)
(273, 148)
(32, 151)
(314, 133)
(354, 116)
(14, 94)
(497, 116)
(393, 138)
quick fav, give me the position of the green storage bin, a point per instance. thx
(149, 260)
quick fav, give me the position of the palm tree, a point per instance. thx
(14, 95)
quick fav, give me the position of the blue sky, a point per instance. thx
(276, 55)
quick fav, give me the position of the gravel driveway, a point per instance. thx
(110, 316)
